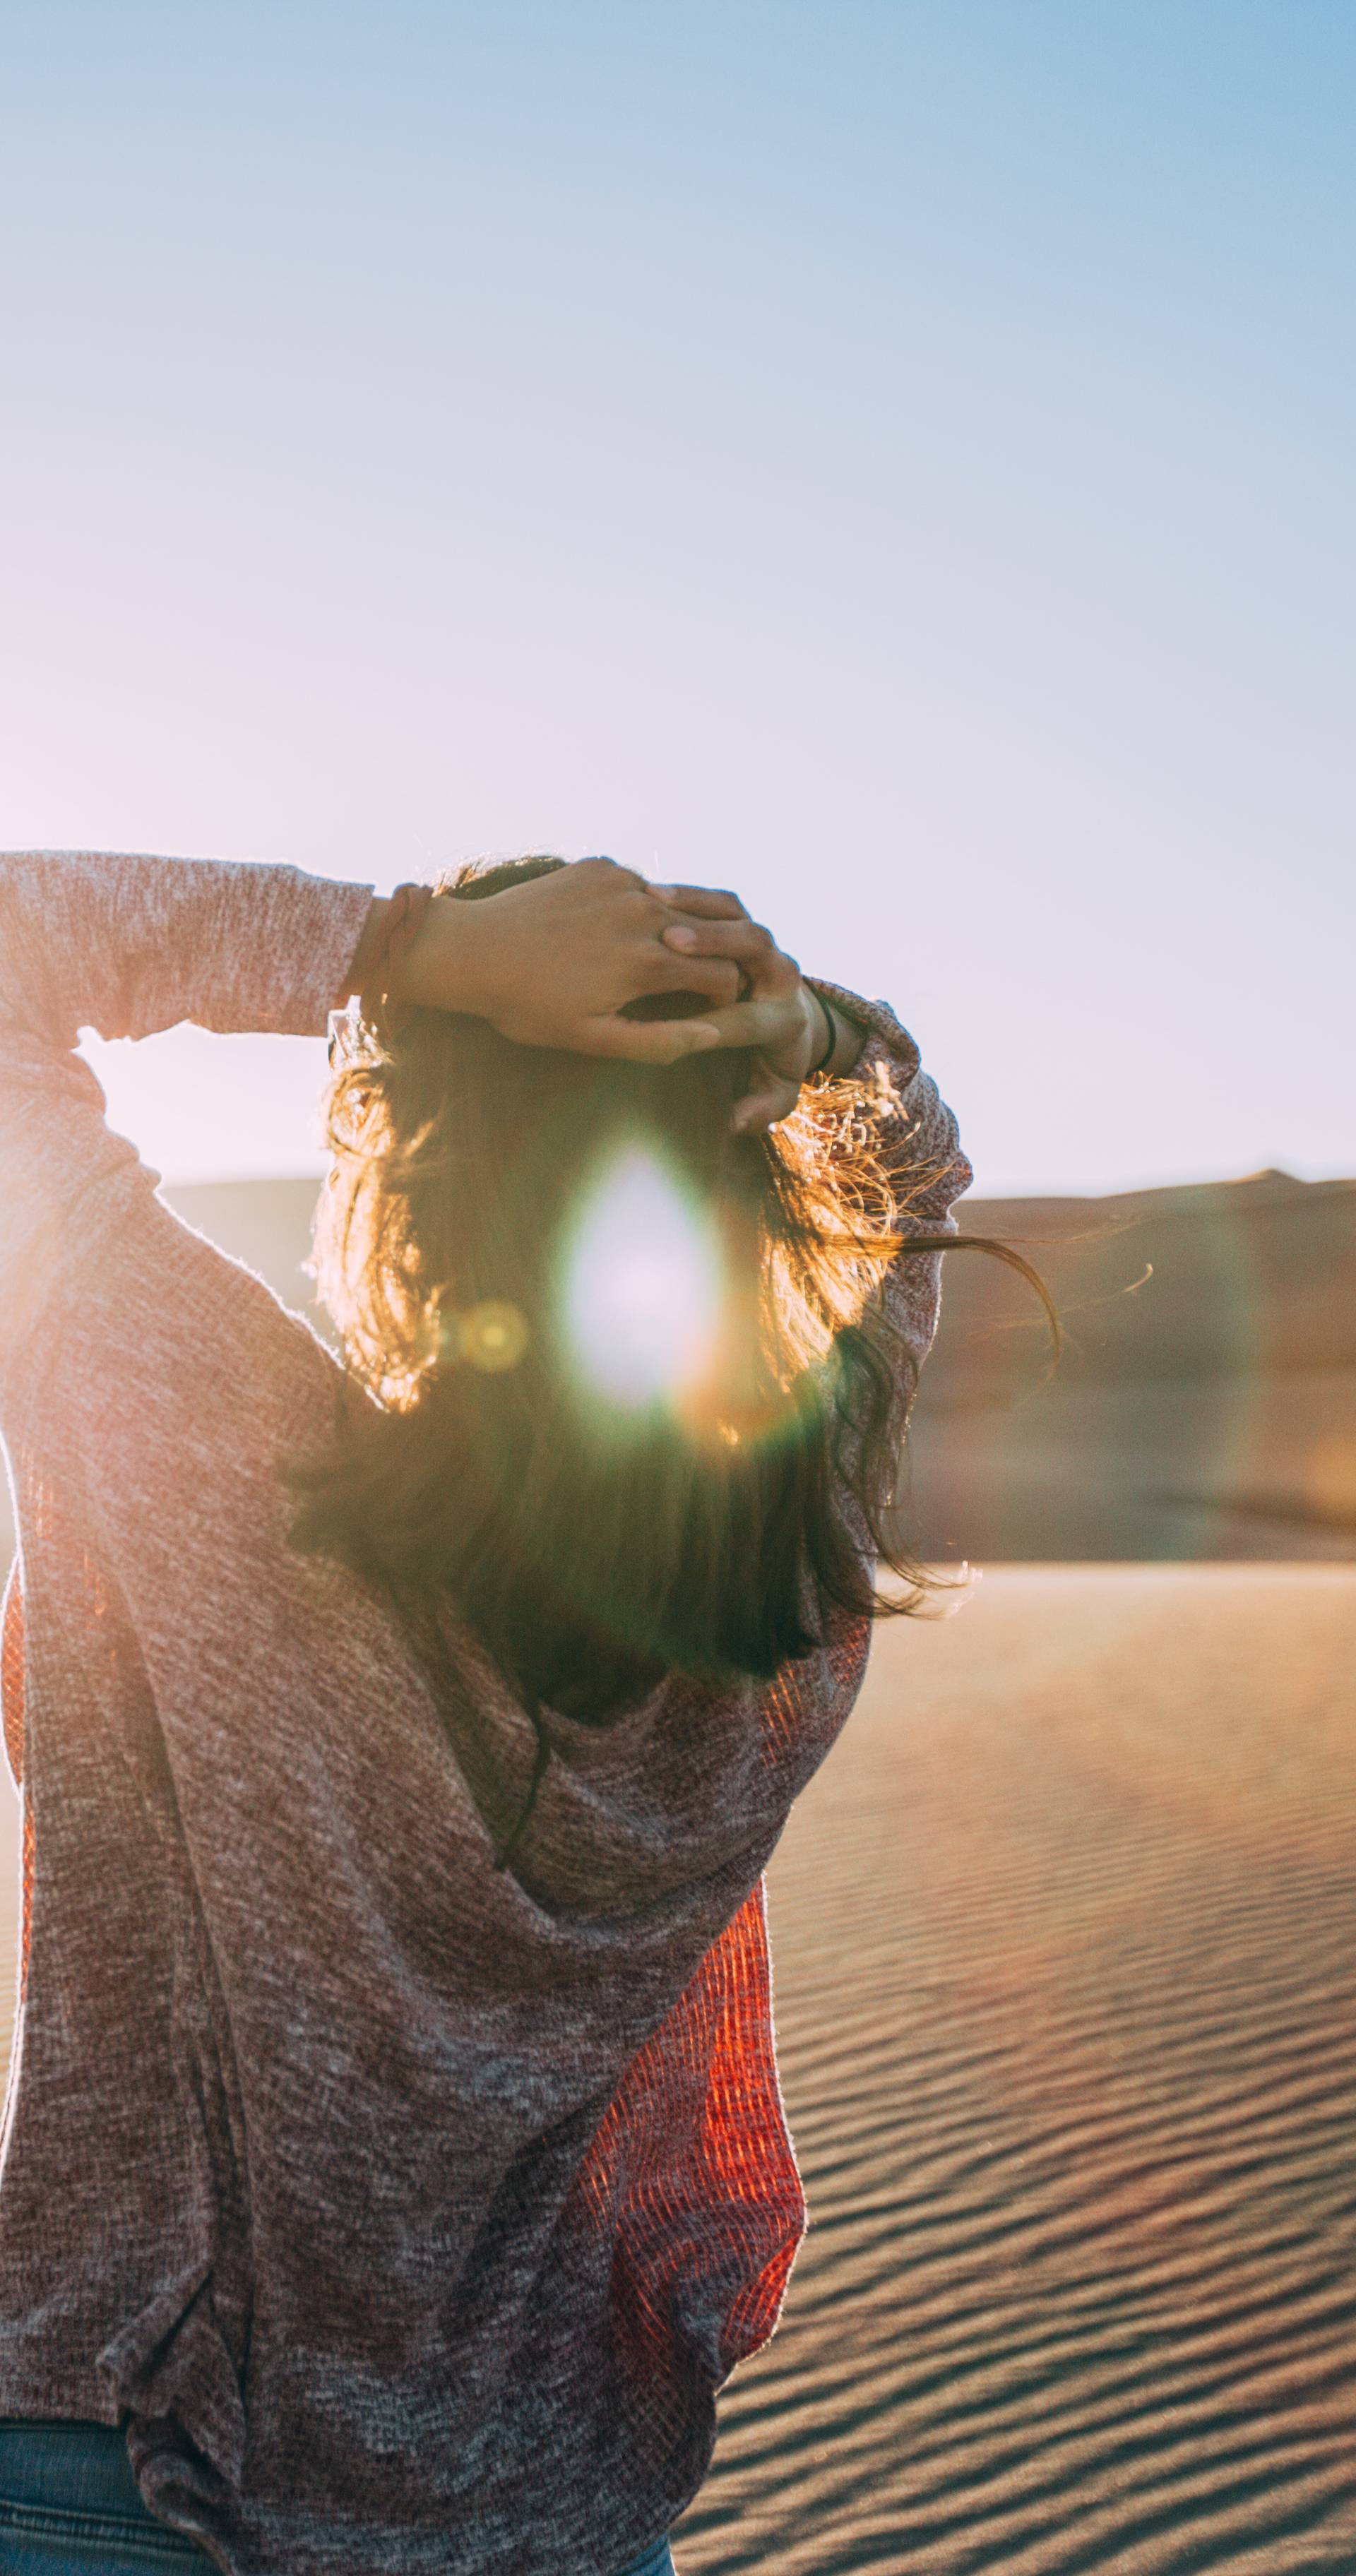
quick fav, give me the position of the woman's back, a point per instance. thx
(391, 2195)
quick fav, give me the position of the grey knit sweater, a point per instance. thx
(408, 2215)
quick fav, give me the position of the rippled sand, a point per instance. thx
(1066, 1949)
(1067, 2003)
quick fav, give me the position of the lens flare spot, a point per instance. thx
(492, 1336)
(641, 1293)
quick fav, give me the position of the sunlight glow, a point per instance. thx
(492, 1336)
(641, 1293)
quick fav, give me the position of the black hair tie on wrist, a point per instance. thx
(832, 1048)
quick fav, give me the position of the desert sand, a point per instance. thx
(1066, 1993)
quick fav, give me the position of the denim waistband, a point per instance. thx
(70, 2506)
(656, 2562)
(80, 2475)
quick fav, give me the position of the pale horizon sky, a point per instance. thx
(893, 458)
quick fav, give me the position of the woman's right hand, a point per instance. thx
(554, 961)
(790, 1029)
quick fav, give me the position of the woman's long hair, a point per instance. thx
(593, 1544)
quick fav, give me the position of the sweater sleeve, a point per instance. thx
(919, 1148)
(128, 946)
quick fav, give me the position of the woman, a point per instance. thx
(394, 2163)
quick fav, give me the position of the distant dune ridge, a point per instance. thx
(1205, 1405)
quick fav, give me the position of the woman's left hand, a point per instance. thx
(556, 960)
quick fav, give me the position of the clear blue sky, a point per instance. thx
(894, 458)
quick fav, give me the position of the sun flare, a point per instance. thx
(641, 1290)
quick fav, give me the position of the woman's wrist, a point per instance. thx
(434, 970)
(369, 951)
(414, 949)
(848, 1039)
(824, 1038)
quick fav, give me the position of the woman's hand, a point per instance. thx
(553, 963)
(791, 1029)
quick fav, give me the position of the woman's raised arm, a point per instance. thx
(128, 946)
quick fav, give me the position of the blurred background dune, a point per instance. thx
(1204, 1405)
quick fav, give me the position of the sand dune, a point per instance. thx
(1066, 1989)
(1205, 1404)
(1067, 2004)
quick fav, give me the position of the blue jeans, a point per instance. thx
(70, 2506)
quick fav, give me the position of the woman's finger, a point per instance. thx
(760, 1022)
(646, 1041)
(661, 970)
(746, 940)
(769, 971)
(771, 1099)
(709, 903)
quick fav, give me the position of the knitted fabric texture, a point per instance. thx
(407, 2215)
